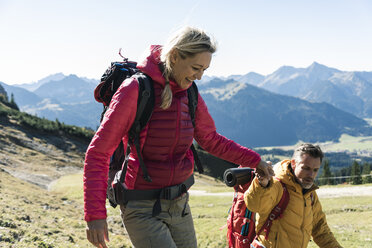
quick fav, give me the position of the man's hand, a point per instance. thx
(263, 181)
(264, 172)
(97, 233)
(265, 169)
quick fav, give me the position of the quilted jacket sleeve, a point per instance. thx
(218, 145)
(321, 233)
(115, 125)
(263, 200)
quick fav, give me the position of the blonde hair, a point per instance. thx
(188, 42)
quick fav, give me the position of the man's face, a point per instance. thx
(305, 170)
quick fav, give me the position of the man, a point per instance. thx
(303, 216)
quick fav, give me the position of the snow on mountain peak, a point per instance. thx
(227, 92)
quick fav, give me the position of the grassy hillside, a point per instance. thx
(35, 217)
(362, 145)
(33, 153)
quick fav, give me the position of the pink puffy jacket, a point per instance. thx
(165, 141)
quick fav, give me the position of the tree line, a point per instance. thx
(10, 111)
(10, 103)
(357, 173)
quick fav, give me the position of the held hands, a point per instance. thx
(97, 233)
(264, 172)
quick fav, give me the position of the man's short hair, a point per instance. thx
(307, 148)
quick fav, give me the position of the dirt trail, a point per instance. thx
(325, 192)
(331, 192)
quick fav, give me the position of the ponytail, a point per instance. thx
(166, 96)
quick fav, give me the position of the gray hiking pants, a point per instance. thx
(169, 229)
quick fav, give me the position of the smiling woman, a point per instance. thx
(185, 57)
(158, 212)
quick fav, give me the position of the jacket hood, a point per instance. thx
(151, 66)
(284, 173)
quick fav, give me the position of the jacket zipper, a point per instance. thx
(276, 240)
(303, 220)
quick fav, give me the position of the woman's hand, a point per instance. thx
(97, 233)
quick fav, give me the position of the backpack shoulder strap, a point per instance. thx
(277, 211)
(146, 99)
(193, 94)
(197, 160)
(145, 106)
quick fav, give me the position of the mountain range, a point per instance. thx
(350, 91)
(312, 104)
(256, 117)
(66, 98)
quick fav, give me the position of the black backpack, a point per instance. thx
(110, 82)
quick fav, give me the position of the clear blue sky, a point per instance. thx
(43, 37)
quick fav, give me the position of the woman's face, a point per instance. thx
(189, 69)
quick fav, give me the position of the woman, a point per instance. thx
(165, 145)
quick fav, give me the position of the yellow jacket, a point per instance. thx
(302, 218)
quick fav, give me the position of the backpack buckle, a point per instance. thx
(171, 193)
(166, 193)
